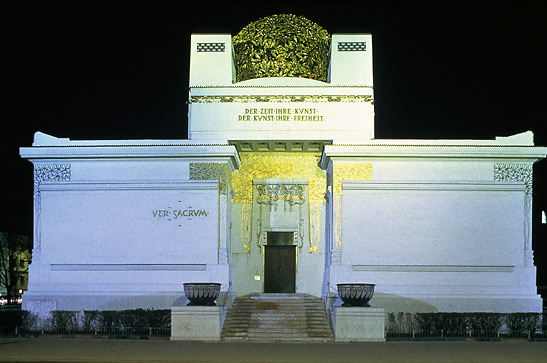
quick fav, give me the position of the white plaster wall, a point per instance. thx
(211, 68)
(452, 170)
(100, 224)
(351, 67)
(432, 227)
(310, 274)
(437, 246)
(129, 169)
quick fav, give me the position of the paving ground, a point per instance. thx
(110, 350)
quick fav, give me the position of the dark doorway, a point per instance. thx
(280, 268)
(280, 239)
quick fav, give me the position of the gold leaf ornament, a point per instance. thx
(282, 45)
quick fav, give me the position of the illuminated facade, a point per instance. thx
(282, 187)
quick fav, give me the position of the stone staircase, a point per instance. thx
(277, 317)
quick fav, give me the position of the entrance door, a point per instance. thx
(280, 268)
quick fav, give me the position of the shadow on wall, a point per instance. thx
(139, 302)
(394, 303)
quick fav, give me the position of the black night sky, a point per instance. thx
(119, 70)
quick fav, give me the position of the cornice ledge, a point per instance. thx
(437, 151)
(75, 152)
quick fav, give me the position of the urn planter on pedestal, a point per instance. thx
(201, 319)
(202, 293)
(355, 294)
(355, 320)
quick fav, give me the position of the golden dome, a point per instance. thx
(283, 45)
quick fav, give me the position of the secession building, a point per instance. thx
(282, 187)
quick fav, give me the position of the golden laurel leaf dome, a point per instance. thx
(282, 45)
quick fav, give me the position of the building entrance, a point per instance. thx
(280, 263)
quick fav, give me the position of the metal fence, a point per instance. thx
(470, 334)
(113, 331)
(125, 332)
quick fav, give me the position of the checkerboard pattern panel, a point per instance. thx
(211, 47)
(352, 46)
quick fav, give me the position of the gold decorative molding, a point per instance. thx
(245, 228)
(211, 171)
(349, 171)
(278, 165)
(315, 225)
(280, 98)
(337, 206)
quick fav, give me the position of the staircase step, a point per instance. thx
(263, 339)
(277, 317)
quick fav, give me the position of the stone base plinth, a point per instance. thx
(359, 324)
(197, 322)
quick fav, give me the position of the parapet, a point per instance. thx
(291, 85)
(212, 61)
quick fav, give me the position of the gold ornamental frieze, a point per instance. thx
(280, 98)
(278, 165)
(211, 171)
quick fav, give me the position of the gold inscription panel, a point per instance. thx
(280, 114)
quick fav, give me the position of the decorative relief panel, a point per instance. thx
(278, 165)
(291, 194)
(514, 173)
(45, 172)
(211, 171)
(349, 171)
(50, 172)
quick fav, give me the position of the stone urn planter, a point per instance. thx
(355, 294)
(202, 293)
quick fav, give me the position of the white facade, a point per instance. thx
(436, 225)
(448, 226)
(123, 225)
